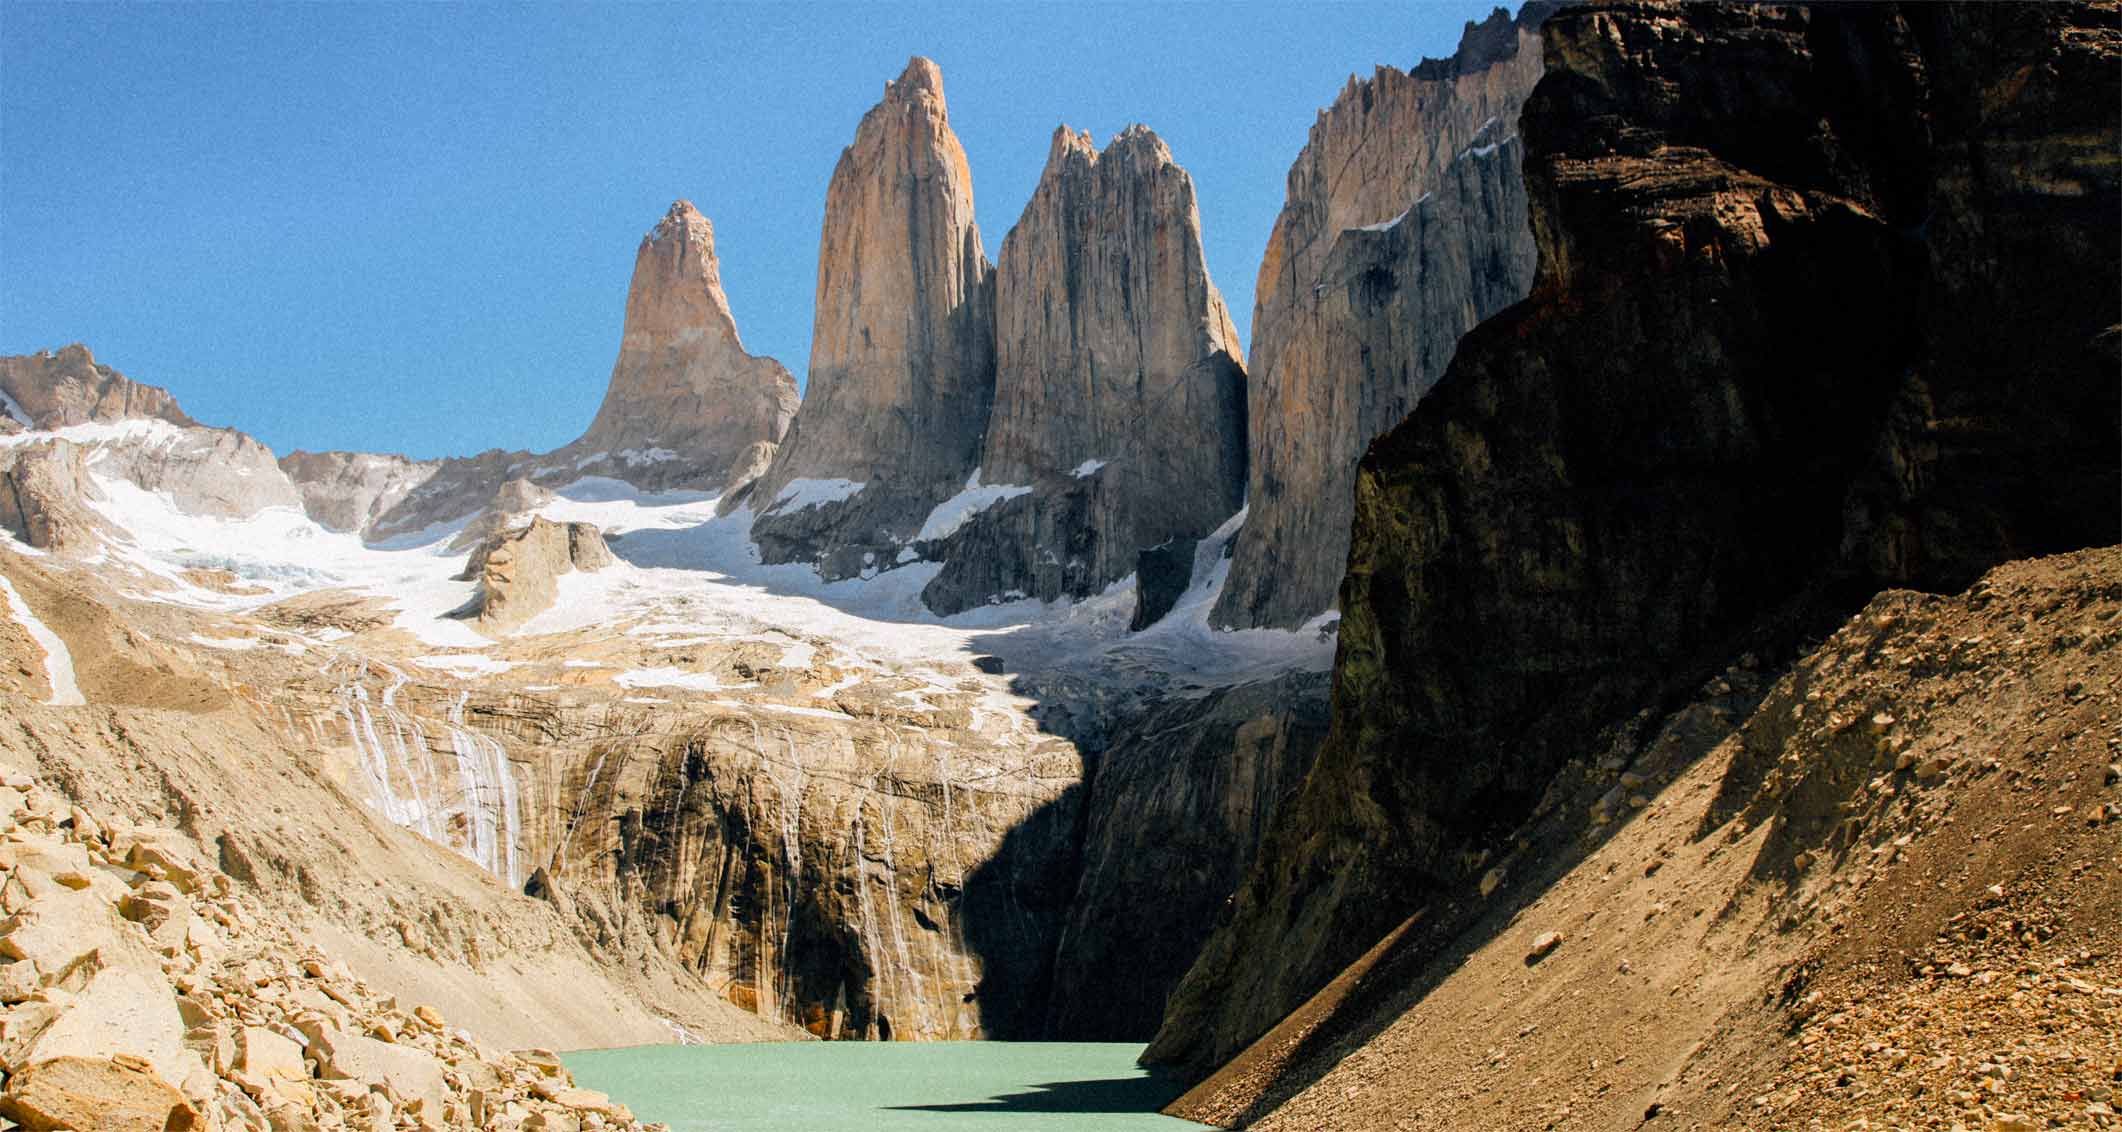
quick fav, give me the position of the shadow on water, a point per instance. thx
(1147, 1093)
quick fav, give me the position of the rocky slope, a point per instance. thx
(1823, 306)
(1876, 891)
(685, 399)
(1404, 226)
(1119, 413)
(145, 992)
(902, 366)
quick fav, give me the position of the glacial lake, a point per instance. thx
(884, 1087)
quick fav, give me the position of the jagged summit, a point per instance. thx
(1068, 141)
(920, 77)
(1119, 412)
(685, 222)
(68, 386)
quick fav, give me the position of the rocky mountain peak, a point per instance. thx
(922, 80)
(1140, 143)
(1069, 145)
(1404, 226)
(56, 389)
(1119, 395)
(685, 222)
(902, 349)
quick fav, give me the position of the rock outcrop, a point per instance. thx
(146, 438)
(1824, 305)
(902, 366)
(685, 399)
(1405, 225)
(1119, 393)
(44, 490)
(519, 569)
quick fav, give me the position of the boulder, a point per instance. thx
(106, 1094)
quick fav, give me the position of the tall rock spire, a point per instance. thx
(685, 400)
(1119, 396)
(902, 365)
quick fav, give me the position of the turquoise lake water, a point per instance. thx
(884, 1087)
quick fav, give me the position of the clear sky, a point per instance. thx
(410, 227)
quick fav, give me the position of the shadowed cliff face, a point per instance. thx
(1820, 309)
(1404, 226)
(902, 367)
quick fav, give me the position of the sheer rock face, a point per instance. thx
(1176, 810)
(44, 492)
(902, 366)
(1403, 227)
(1119, 395)
(1824, 305)
(685, 398)
(69, 387)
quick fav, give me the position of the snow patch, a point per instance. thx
(232, 644)
(463, 664)
(14, 410)
(668, 677)
(1088, 468)
(803, 494)
(959, 509)
(786, 709)
(58, 660)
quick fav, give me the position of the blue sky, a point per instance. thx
(410, 227)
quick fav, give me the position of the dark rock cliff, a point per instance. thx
(1825, 304)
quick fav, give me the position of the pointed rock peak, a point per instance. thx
(1067, 141)
(683, 220)
(921, 76)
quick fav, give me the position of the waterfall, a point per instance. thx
(411, 789)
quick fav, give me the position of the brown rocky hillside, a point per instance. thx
(1881, 890)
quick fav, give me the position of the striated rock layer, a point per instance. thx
(902, 366)
(685, 399)
(1119, 395)
(1404, 226)
(1823, 306)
